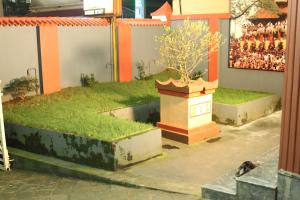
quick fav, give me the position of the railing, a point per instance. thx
(4, 158)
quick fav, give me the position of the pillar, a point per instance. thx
(49, 58)
(213, 57)
(125, 55)
(289, 158)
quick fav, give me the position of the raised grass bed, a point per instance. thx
(78, 110)
(110, 155)
(231, 107)
(239, 114)
(75, 117)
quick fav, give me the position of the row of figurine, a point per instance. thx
(262, 32)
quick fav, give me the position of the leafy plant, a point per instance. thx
(183, 47)
(142, 71)
(19, 87)
(198, 74)
(87, 81)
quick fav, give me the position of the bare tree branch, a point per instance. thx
(245, 10)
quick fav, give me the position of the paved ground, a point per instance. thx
(202, 163)
(27, 185)
(181, 166)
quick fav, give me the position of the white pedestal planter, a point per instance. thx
(186, 110)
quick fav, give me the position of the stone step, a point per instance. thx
(36, 162)
(259, 183)
(223, 188)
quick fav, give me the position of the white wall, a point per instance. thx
(145, 48)
(84, 50)
(18, 52)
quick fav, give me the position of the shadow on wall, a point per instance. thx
(144, 48)
(84, 50)
(86, 60)
(94, 57)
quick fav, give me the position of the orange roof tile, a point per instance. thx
(165, 10)
(60, 21)
(141, 22)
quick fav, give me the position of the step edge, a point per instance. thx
(91, 172)
(259, 182)
(211, 187)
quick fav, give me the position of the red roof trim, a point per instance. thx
(60, 21)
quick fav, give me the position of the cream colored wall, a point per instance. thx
(201, 7)
(174, 111)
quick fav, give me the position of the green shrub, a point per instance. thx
(19, 87)
(198, 74)
(142, 71)
(87, 81)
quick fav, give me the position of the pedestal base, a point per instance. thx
(189, 136)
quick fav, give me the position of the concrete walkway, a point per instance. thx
(28, 185)
(184, 169)
(202, 163)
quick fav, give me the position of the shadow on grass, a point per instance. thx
(132, 100)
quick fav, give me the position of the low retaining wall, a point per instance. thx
(237, 115)
(139, 113)
(87, 151)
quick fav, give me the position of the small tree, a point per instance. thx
(183, 47)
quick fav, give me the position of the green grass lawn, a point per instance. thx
(234, 96)
(78, 110)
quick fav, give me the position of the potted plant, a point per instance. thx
(186, 104)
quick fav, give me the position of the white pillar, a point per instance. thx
(3, 148)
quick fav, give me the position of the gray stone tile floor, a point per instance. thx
(28, 185)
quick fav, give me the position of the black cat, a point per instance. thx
(244, 168)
